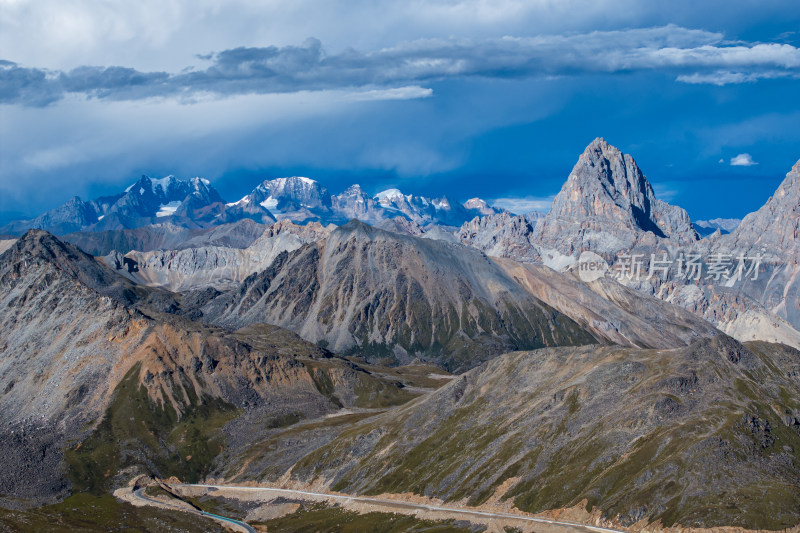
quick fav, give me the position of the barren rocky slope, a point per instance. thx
(774, 231)
(390, 296)
(706, 435)
(611, 311)
(75, 352)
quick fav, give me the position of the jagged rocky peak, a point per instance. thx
(354, 202)
(480, 206)
(776, 226)
(168, 187)
(294, 192)
(501, 235)
(310, 231)
(604, 173)
(165, 197)
(38, 248)
(605, 202)
(389, 195)
(40, 243)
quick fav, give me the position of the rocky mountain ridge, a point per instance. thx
(220, 267)
(80, 359)
(653, 437)
(392, 297)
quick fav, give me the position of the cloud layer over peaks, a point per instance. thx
(690, 55)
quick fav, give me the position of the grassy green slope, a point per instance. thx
(136, 433)
(702, 436)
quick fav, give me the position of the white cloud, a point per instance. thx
(524, 204)
(159, 35)
(399, 93)
(726, 77)
(703, 57)
(743, 160)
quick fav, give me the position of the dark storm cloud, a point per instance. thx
(693, 56)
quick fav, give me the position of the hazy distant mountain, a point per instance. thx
(354, 202)
(72, 215)
(194, 204)
(705, 228)
(189, 203)
(148, 200)
(480, 207)
(166, 236)
(533, 217)
(424, 210)
(302, 199)
(295, 198)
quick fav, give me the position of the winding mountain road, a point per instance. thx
(243, 526)
(300, 494)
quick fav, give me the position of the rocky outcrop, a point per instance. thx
(775, 227)
(607, 205)
(501, 235)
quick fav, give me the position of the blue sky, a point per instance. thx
(457, 97)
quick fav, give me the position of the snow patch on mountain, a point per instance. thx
(168, 209)
(389, 195)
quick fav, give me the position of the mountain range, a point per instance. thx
(403, 346)
(195, 204)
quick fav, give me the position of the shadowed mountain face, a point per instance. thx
(74, 350)
(385, 295)
(706, 435)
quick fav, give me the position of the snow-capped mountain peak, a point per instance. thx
(390, 194)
